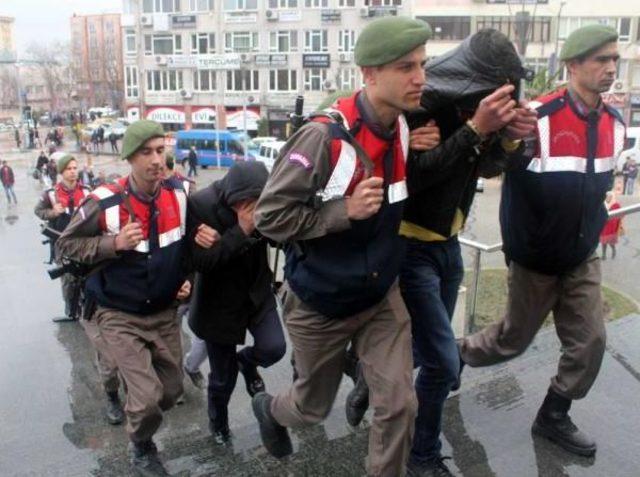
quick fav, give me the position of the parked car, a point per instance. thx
(631, 148)
(268, 153)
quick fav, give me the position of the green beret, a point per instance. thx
(587, 39)
(387, 39)
(333, 97)
(62, 161)
(137, 134)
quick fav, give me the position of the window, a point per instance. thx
(240, 5)
(314, 79)
(449, 28)
(203, 43)
(200, 5)
(160, 6)
(622, 70)
(162, 44)
(283, 4)
(204, 80)
(635, 76)
(235, 80)
(315, 40)
(346, 3)
(283, 41)
(623, 25)
(316, 3)
(130, 48)
(382, 3)
(347, 79)
(624, 29)
(346, 40)
(131, 81)
(283, 80)
(240, 41)
(170, 80)
(539, 28)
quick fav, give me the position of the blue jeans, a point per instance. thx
(8, 190)
(429, 281)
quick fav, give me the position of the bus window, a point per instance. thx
(235, 147)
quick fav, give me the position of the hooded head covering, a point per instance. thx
(245, 180)
(482, 63)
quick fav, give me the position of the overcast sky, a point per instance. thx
(44, 21)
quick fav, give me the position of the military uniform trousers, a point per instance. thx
(148, 353)
(107, 368)
(575, 298)
(382, 339)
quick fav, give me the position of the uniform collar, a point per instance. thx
(581, 107)
(371, 119)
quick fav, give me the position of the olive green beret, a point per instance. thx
(387, 39)
(587, 39)
(62, 161)
(137, 134)
(333, 97)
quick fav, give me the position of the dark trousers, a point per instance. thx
(192, 170)
(429, 281)
(268, 348)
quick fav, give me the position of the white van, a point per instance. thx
(268, 153)
(631, 148)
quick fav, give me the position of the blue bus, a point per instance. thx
(229, 145)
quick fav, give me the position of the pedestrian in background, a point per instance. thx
(8, 180)
(192, 159)
(612, 229)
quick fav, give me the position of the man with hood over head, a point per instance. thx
(232, 291)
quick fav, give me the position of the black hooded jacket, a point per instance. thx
(233, 278)
(442, 180)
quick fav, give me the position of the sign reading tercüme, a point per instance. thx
(229, 61)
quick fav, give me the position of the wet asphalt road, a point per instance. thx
(51, 404)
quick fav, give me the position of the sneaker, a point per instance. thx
(432, 468)
(221, 433)
(196, 378)
(275, 437)
(252, 378)
(145, 460)
(115, 412)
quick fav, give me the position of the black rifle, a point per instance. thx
(51, 237)
(80, 272)
(297, 118)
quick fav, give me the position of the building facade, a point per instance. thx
(550, 22)
(188, 62)
(7, 44)
(96, 45)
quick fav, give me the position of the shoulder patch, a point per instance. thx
(110, 201)
(300, 159)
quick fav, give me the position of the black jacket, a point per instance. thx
(233, 278)
(444, 179)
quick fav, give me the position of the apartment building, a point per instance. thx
(96, 45)
(187, 62)
(550, 22)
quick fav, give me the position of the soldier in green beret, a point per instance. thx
(336, 196)
(551, 215)
(135, 230)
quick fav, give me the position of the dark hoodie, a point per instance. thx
(233, 279)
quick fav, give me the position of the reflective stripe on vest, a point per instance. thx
(345, 167)
(550, 163)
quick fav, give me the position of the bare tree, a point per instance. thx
(53, 63)
(8, 87)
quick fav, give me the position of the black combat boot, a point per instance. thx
(252, 378)
(145, 460)
(275, 437)
(357, 400)
(115, 412)
(553, 422)
(432, 468)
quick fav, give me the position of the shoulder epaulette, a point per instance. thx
(614, 112)
(551, 107)
(106, 197)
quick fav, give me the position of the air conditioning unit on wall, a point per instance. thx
(186, 94)
(272, 15)
(245, 58)
(161, 60)
(364, 12)
(619, 86)
(345, 57)
(146, 20)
